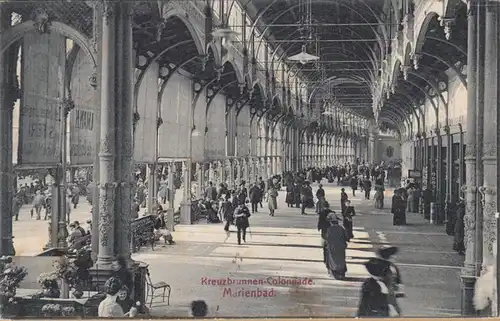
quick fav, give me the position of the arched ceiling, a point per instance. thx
(347, 35)
(438, 56)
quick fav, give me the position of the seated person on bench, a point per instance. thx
(161, 230)
(74, 238)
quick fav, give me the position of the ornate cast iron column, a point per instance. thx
(8, 95)
(95, 81)
(186, 198)
(230, 179)
(221, 171)
(199, 179)
(489, 188)
(439, 175)
(449, 180)
(469, 272)
(115, 156)
(210, 172)
(480, 87)
(371, 148)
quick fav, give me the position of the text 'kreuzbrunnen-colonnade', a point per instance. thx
(114, 85)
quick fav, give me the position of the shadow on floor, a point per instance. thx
(285, 245)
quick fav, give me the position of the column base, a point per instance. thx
(468, 283)
(104, 263)
(186, 213)
(8, 246)
(62, 235)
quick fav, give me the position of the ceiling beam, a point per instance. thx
(341, 61)
(322, 40)
(334, 69)
(354, 24)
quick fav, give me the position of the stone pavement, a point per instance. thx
(288, 246)
(31, 235)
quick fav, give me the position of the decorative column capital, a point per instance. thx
(447, 23)
(416, 57)
(405, 70)
(41, 20)
(108, 10)
(471, 7)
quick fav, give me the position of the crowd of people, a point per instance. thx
(379, 292)
(236, 206)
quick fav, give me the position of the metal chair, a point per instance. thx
(153, 287)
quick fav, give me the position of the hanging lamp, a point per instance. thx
(303, 57)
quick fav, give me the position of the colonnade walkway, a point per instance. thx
(288, 245)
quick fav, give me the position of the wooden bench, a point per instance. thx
(82, 241)
(142, 230)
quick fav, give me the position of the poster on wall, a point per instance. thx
(433, 180)
(39, 115)
(82, 135)
(83, 118)
(425, 175)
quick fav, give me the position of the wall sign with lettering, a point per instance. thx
(40, 109)
(82, 136)
(83, 119)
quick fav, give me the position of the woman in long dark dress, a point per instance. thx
(398, 209)
(396, 286)
(347, 221)
(323, 225)
(375, 296)
(289, 195)
(336, 243)
(296, 194)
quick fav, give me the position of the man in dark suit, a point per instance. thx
(211, 192)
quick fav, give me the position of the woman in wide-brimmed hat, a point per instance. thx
(375, 295)
(336, 245)
(396, 289)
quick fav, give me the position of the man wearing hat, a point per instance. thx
(79, 228)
